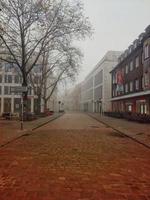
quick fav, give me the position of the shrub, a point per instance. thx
(138, 117)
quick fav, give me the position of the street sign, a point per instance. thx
(18, 89)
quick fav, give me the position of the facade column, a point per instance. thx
(93, 93)
(2, 98)
(32, 105)
(2, 105)
(12, 105)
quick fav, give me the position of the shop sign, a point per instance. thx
(120, 81)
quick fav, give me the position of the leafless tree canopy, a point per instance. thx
(29, 27)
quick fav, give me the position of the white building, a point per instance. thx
(72, 98)
(10, 76)
(96, 88)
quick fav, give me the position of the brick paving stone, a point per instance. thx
(139, 131)
(74, 158)
(10, 129)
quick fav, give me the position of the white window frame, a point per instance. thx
(137, 84)
(127, 69)
(146, 51)
(131, 86)
(137, 61)
(126, 88)
(131, 66)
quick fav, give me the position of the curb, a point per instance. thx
(120, 132)
(31, 130)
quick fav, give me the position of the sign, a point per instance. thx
(120, 81)
(18, 89)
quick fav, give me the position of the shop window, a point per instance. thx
(129, 108)
(143, 109)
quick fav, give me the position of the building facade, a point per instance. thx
(131, 77)
(72, 98)
(10, 76)
(96, 88)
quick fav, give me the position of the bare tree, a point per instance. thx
(56, 67)
(29, 26)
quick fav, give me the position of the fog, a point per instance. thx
(116, 24)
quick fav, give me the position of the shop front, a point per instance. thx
(136, 104)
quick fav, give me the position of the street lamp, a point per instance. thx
(59, 102)
(101, 106)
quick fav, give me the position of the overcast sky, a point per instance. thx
(116, 23)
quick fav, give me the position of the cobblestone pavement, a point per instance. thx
(74, 158)
(139, 131)
(10, 129)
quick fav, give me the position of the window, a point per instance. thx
(137, 61)
(37, 79)
(0, 89)
(1, 67)
(16, 79)
(8, 79)
(130, 108)
(114, 92)
(146, 80)
(142, 81)
(20, 79)
(29, 90)
(131, 65)
(126, 87)
(37, 68)
(8, 67)
(137, 83)
(142, 57)
(0, 78)
(146, 51)
(127, 68)
(131, 86)
(114, 78)
(123, 70)
(143, 109)
(6, 90)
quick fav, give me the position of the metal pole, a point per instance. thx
(22, 113)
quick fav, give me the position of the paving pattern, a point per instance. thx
(74, 158)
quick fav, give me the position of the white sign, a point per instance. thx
(18, 89)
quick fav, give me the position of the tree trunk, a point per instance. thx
(25, 96)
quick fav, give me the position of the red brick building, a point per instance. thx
(131, 77)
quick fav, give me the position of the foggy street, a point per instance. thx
(74, 158)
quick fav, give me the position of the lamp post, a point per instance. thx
(59, 102)
(101, 107)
